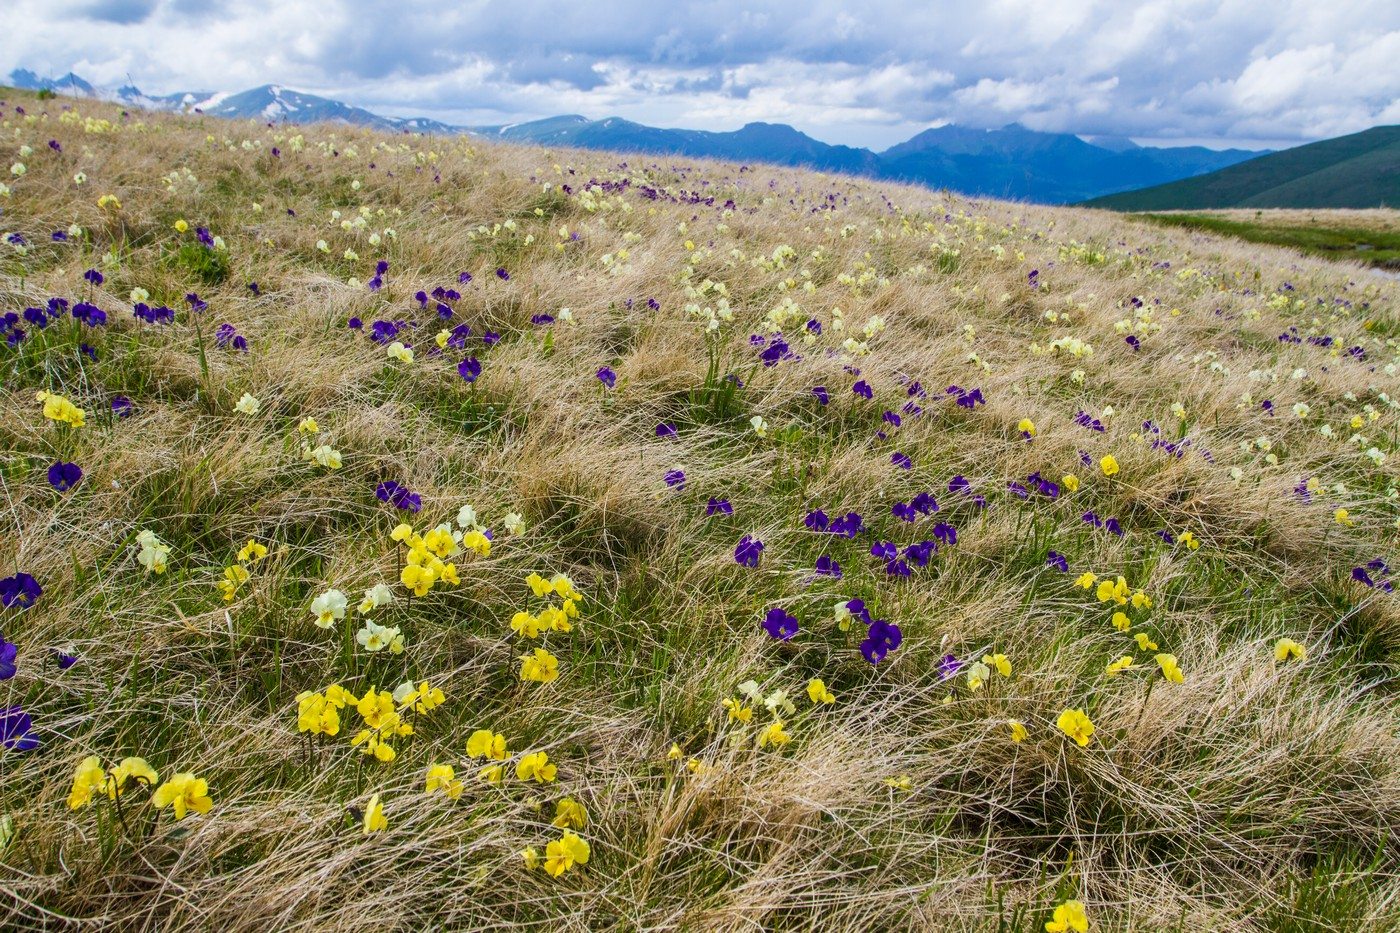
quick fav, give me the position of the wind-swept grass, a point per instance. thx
(1257, 794)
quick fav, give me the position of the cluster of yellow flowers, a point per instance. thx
(184, 791)
(424, 565)
(323, 455)
(773, 734)
(540, 665)
(58, 408)
(237, 574)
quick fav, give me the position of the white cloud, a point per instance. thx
(860, 73)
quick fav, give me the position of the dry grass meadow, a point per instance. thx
(1246, 394)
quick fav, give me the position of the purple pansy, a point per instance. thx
(780, 624)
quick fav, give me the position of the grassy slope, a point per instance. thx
(1255, 795)
(1357, 171)
(1334, 239)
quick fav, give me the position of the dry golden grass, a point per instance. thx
(1256, 795)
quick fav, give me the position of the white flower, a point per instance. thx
(466, 518)
(397, 351)
(18, 169)
(80, 178)
(514, 522)
(328, 607)
(760, 427)
(154, 552)
(1301, 409)
(326, 456)
(248, 405)
(376, 596)
(376, 637)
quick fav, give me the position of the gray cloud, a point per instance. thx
(867, 73)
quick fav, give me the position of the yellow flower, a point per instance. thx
(540, 666)
(524, 624)
(1189, 539)
(397, 351)
(675, 754)
(109, 200)
(1287, 649)
(417, 578)
(1121, 621)
(317, 715)
(1026, 426)
(1170, 671)
(539, 585)
(1343, 517)
(186, 792)
(531, 857)
(484, 743)
(374, 819)
(569, 812)
(902, 782)
(1144, 643)
(493, 774)
(130, 768)
(817, 692)
(998, 661)
(738, 711)
(1070, 482)
(444, 778)
(1108, 465)
(88, 780)
(563, 854)
(1117, 667)
(1076, 725)
(536, 766)
(308, 425)
(773, 734)
(1141, 600)
(1018, 730)
(181, 226)
(1086, 580)
(1068, 916)
(252, 552)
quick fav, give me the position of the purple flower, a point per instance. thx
(901, 460)
(948, 667)
(862, 388)
(197, 304)
(226, 336)
(65, 661)
(469, 369)
(20, 590)
(718, 507)
(828, 567)
(1058, 561)
(966, 398)
(884, 550)
(780, 624)
(502, 274)
(64, 476)
(607, 377)
(540, 320)
(89, 314)
(881, 638)
(665, 429)
(946, 533)
(122, 406)
(675, 479)
(747, 552)
(8, 651)
(93, 276)
(204, 236)
(253, 287)
(821, 394)
(17, 730)
(777, 350)
(464, 278)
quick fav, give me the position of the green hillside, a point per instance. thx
(1357, 171)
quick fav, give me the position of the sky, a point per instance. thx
(1249, 73)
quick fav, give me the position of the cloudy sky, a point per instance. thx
(1243, 72)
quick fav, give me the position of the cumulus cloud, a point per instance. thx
(867, 73)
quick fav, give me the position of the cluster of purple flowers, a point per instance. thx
(922, 504)
(227, 336)
(966, 398)
(376, 281)
(775, 350)
(1107, 524)
(157, 315)
(399, 496)
(1374, 574)
(1085, 420)
(848, 525)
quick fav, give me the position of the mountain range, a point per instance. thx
(1360, 170)
(1007, 162)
